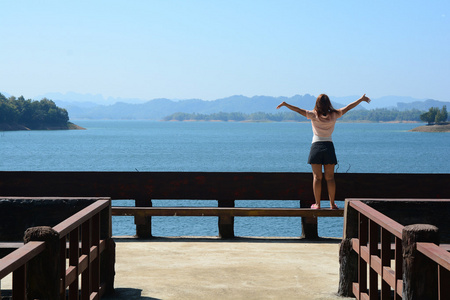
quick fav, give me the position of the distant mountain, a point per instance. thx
(391, 101)
(157, 109)
(97, 99)
(422, 105)
(87, 106)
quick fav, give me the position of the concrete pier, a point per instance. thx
(210, 268)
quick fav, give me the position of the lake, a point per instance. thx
(222, 147)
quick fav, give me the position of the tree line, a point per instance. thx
(235, 116)
(373, 115)
(32, 114)
(435, 115)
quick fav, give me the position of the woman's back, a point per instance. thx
(323, 126)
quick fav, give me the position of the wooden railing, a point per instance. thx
(79, 239)
(441, 258)
(379, 247)
(83, 252)
(371, 222)
(16, 263)
(225, 187)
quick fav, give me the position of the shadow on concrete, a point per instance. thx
(6, 295)
(128, 294)
(119, 294)
(322, 240)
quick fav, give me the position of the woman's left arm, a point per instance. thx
(293, 108)
(354, 104)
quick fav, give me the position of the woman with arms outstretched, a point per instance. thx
(322, 154)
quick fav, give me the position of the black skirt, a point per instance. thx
(322, 153)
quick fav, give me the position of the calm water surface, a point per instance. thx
(222, 147)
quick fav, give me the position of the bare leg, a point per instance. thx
(331, 184)
(317, 182)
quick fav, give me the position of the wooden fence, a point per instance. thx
(225, 187)
(405, 261)
(16, 263)
(40, 269)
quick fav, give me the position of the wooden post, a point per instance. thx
(309, 228)
(374, 238)
(74, 261)
(43, 278)
(362, 264)
(226, 223)
(143, 224)
(107, 266)
(19, 290)
(420, 280)
(348, 260)
(86, 243)
(309, 225)
(348, 268)
(108, 257)
(385, 256)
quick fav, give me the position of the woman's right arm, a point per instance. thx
(293, 108)
(354, 104)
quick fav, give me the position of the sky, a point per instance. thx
(215, 49)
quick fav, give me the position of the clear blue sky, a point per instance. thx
(214, 49)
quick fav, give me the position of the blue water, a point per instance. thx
(209, 146)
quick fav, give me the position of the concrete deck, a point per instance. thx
(210, 268)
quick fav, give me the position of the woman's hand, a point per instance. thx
(364, 98)
(281, 104)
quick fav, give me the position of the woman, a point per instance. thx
(323, 118)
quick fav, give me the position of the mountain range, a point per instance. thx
(88, 106)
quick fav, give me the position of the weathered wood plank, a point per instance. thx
(387, 223)
(219, 185)
(20, 257)
(439, 254)
(10, 245)
(226, 211)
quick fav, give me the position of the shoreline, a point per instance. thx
(19, 127)
(287, 121)
(445, 127)
(250, 121)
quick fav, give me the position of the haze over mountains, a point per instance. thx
(89, 106)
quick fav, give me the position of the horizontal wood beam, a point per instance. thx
(219, 185)
(20, 257)
(226, 211)
(387, 223)
(439, 254)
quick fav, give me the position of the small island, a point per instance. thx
(443, 127)
(21, 114)
(436, 119)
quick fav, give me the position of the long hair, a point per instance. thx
(323, 105)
